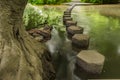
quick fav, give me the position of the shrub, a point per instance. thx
(36, 1)
(35, 17)
(48, 1)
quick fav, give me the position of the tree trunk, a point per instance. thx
(21, 58)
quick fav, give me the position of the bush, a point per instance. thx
(48, 1)
(35, 17)
(36, 1)
(32, 17)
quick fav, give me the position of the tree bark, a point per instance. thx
(20, 56)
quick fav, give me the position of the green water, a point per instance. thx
(102, 23)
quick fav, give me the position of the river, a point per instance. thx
(102, 23)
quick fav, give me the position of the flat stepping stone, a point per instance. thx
(81, 41)
(66, 19)
(66, 16)
(74, 30)
(91, 61)
(67, 13)
(70, 23)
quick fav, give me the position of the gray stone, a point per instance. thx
(74, 30)
(91, 61)
(66, 16)
(67, 13)
(81, 41)
(66, 19)
(70, 23)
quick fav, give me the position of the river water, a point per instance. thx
(102, 23)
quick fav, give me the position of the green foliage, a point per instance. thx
(32, 17)
(110, 1)
(101, 1)
(48, 1)
(36, 1)
(36, 17)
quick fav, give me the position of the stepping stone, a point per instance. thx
(67, 13)
(66, 16)
(66, 19)
(74, 30)
(81, 41)
(91, 61)
(70, 23)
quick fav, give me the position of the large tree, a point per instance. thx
(21, 57)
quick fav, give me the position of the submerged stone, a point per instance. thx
(74, 30)
(81, 41)
(91, 61)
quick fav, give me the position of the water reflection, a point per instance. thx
(102, 23)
